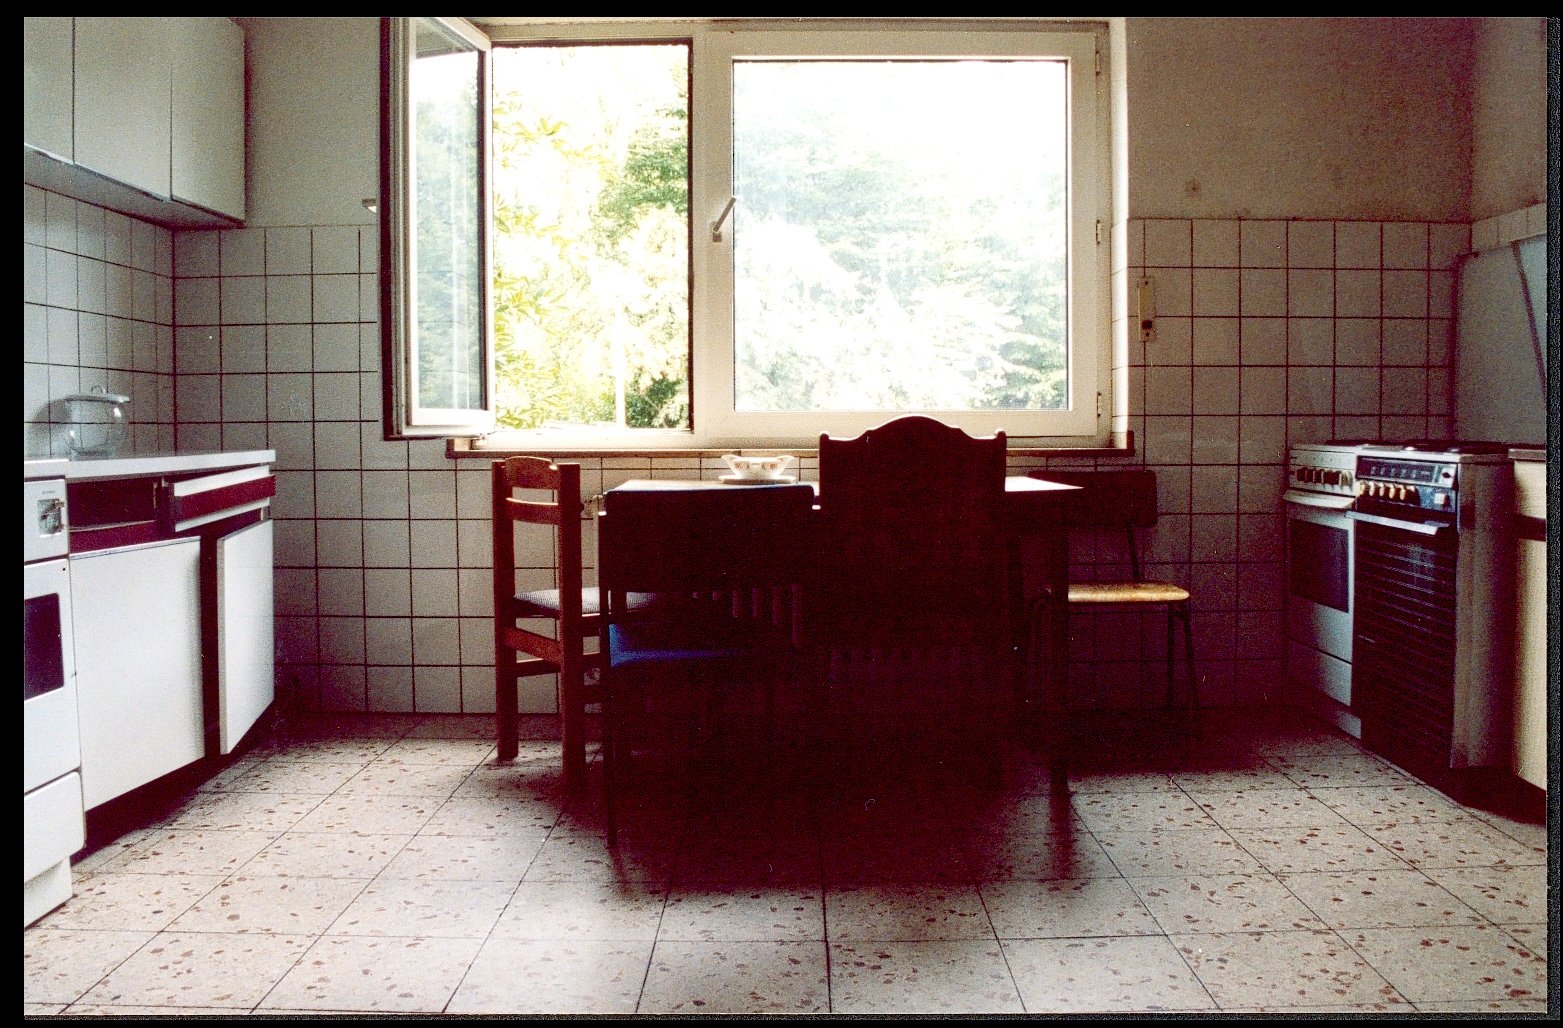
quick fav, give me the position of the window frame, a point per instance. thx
(713, 47)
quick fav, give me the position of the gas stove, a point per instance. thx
(1328, 468)
(1442, 447)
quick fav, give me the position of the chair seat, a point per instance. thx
(698, 640)
(544, 603)
(1127, 592)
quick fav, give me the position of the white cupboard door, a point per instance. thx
(123, 84)
(137, 619)
(208, 113)
(47, 78)
(246, 674)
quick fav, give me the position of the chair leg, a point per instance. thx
(505, 702)
(1188, 659)
(1172, 617)
(610, 751)
(572, 710)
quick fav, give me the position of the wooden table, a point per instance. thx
(1031, 506)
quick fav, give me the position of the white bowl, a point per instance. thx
(758, 467)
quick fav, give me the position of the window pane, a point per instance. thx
(591, 249)
(447, 245)
(901, 235)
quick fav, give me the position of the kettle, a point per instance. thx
(97, 423)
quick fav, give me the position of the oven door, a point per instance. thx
(50, 736)
(1319, 541)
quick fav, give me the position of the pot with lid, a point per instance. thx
(96, 422)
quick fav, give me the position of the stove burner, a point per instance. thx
(1453, 446)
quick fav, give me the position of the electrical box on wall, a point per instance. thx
(1145, 292)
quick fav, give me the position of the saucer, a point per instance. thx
(749, 480)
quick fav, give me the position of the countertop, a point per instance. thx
(144, 465)
(1536, 453)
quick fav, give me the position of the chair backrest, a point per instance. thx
(561, 510)
(1123, 500)
(703, 540)
(912, 513)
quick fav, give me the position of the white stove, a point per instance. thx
(53, 826)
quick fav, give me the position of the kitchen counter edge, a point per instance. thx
(165, 464)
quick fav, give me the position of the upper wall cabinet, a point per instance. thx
(141, 115)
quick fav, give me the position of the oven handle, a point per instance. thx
(1420, 527)
(1322, 501)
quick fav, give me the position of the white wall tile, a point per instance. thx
(242, 251)
(287, 299)
(387, 591)
(195, 301)
(1311, 294)
(335, 298)
(60, 222)
(91, 285)
(336, 399)
(1215, 243)
(1405, 391)
(1356, 390)
(437, 690)
(1167, 391)
(1405, 294)
(1357, 244)
(1357, 341)
(1215, 390)
(1405, 245)
(59, 278)
(1263, 439)
(1357, 294)
(1310, 390)
(287, 251)
(1168, 243)
(1310, 244)
(1174, 291)
(338, 494)
(1262, 390)
(386, 494)
(434, 592)
(1173, 344)
(434, 546)
(336, 347)
(341, 591)
(343, 688)
(336, 445)
(290, 397)
(1215, 340)
(335, 250)
(1215, 291)
(196, 254)
(1263, 293)
(1215, 440)
(244, 397)
(244, 300)
(1263, 244)
(436, 640)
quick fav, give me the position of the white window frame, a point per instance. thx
(714, 46)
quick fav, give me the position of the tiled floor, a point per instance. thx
(385, 864)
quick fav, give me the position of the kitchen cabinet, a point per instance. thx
(47, 121)
(174, 637)
(137, 626)
(154, 112)
(1531, 611)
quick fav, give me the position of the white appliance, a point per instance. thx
(53, 824)
(1434, 567)
(1320, 540)
(1500, 349)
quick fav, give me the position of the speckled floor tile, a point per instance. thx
(1141, 811)
(1495, 1006)
(519, 977)
(1443, 964)
(290, 777)
(1177, 851)
(1223, 903)
(110, 853)
(461, 858)
(748, 859)
(921, 977)
(238, 771)
(60, 965)
(111, 901)
(1405, 804)
(1250, 970)
(415, 907)
(461, 726)
(192, 851)
(288, 906)
(490, 816)
(368, 814)
(1264, 808)
(255, 811)
(604, 911)
(1346, 770)
(901, 912)
(195, 969)
(894, 857)
(1463, 842)
(1087, 780)
(1241, 780)
(994, 856)
(586, 857)
(331, 751)
(1079, 976)
(42, 1009)
(687, 978)
(424, 781)
(1531, 936)
(143, 1013)
(465, 753)
(714, 914)
(1080, 907)
(1385, 898)
(401, 975)
(1339, 847)
(326, 855)
(1504, 895)
(1532, 834)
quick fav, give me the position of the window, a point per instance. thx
(709, 235)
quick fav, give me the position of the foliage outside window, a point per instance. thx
(749, 236)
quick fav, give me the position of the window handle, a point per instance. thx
(721, 219)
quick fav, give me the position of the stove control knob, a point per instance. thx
(1440, 499)
(1345, 479)
(1362, 488)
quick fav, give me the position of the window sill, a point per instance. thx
(463, 449)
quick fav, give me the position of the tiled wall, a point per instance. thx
(97, 310)
(1268, 332)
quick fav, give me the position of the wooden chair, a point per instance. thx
(915, 550)
(1124, 501)
(571, 606)
(697, 550)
